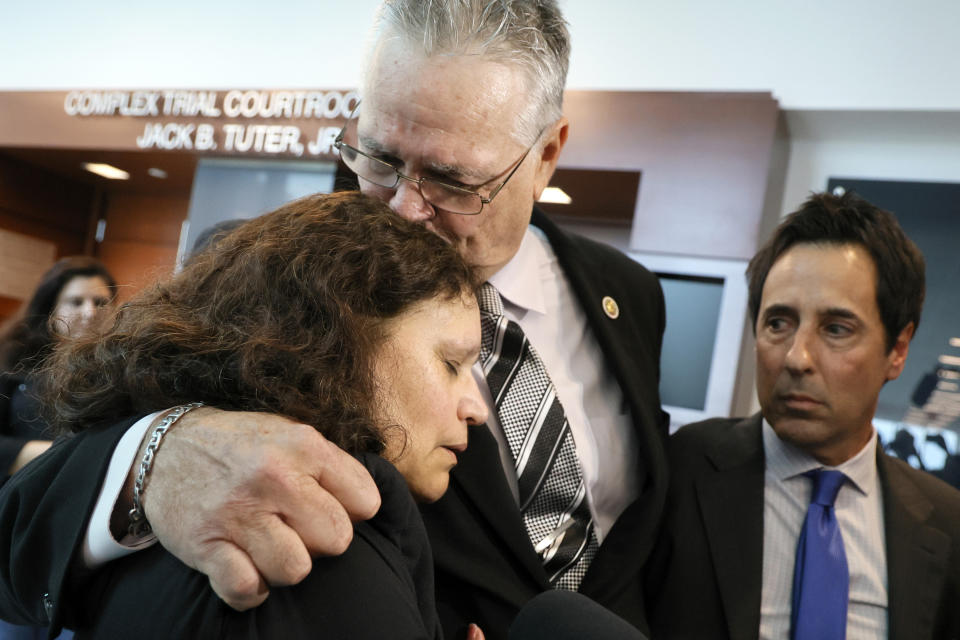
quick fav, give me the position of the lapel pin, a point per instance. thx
(610, 307)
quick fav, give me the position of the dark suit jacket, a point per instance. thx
(486, 567)
(44, 509)
(705, 579)
(381, 587)
(20, 419)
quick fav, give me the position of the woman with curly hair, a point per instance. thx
(333, 312)
(68, 303)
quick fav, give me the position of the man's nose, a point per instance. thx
(799, 357)
(408, 202)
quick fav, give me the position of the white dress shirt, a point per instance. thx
(99, 545)
(537, 295)
(859, 511)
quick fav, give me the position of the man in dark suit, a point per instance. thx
(460, 129)
(835, 297)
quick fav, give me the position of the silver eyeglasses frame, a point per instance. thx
(451, 189)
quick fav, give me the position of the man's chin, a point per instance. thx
(800, 429)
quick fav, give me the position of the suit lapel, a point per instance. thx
(731, 502)
(916, 554)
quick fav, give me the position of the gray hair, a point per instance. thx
(530, 34)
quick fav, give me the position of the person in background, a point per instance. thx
(68, 303)
(794, 523)
(213, 234)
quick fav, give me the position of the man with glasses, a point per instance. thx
(460, 129)
(439, 193)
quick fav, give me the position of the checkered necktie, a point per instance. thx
(553, 497)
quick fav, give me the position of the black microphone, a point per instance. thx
(566, 615)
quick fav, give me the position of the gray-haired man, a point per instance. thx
(460, 128)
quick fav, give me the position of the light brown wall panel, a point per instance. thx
(44, 205)
(136, 265)
(704, 160)
(153, 219)
(8, 307)
(140, 242)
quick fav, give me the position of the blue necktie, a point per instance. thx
(821, 581)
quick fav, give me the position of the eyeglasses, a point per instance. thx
(440, 194)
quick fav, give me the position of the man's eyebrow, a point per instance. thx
(839, 312)
(779, 310)
(437, 168)
(458, 173)
(829, 312)
(372, 145)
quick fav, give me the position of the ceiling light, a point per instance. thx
(556, 195)
(156, 173)
(955, 342)
(106, 171)
(950, 361)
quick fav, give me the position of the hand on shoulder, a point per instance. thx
(249, 498)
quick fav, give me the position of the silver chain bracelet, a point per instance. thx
(139, 526)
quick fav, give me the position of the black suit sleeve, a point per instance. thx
(381, 587)
(152, 595)
(44, 510)
(10, 443)
(10, 447)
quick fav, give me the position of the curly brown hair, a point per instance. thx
(284, 315)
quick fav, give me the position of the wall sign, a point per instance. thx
(289, 123)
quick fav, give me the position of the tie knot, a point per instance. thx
(826, 485)
(489, 300)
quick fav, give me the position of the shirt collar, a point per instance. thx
(786, 461)
(518, 281)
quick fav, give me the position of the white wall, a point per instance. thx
(818, 54)
(916, 146)
(281, 44)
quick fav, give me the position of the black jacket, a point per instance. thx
(381, 587)
(20, 419)
(706, 574)
(486, 567)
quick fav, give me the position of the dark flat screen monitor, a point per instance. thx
(706, 305)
